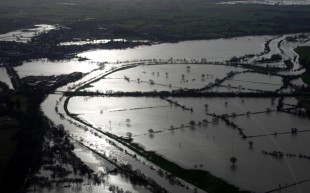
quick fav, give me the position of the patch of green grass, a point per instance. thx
(304, 55)
(304, 59)
(306, 78)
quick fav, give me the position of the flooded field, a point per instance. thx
(163, 77)
(254, 81)
(207, 146)
(267, 135)
(25, 35)
(45, 67)
(212, 50)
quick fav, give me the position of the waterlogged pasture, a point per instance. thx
(164, 77)
(25, 35)
(122, 115)
(212, 50)
(269, 123)
(227, 105)
(207, 146)
(254, 81)
(185, 131)
(129, 114)
(44, 67)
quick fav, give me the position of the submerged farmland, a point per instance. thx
(263, 126)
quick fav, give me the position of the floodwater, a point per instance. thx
(217, 50)
(101, 41)
(205, 147)
(25, 35)
(212, 50)
(98, 142)
(44, 67)
(165, 77)
(255, 81)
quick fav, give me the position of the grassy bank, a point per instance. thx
(306, 78)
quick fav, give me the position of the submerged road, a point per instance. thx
(13, 76)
